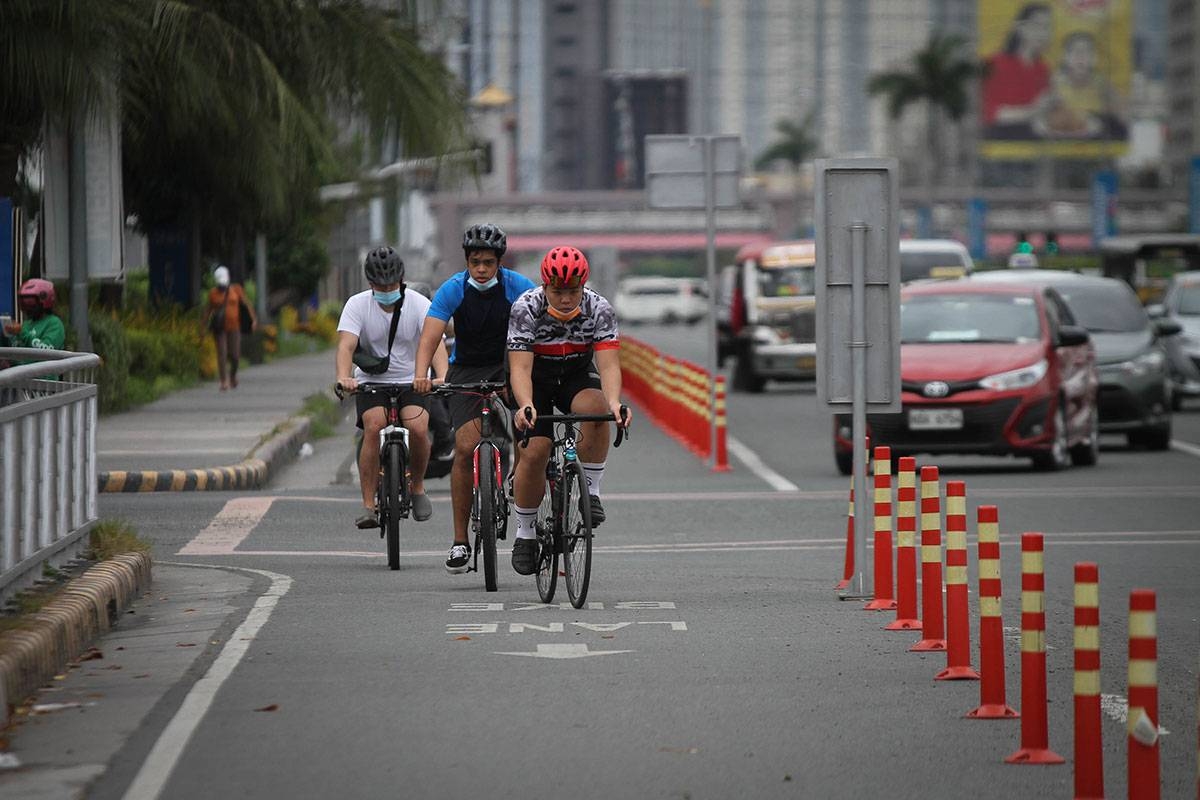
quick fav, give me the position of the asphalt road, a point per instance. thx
(718, 660)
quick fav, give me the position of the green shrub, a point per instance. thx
(111, 344)
(147, 353)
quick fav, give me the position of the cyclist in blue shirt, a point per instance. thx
(478, 299)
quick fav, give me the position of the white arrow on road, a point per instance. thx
(565, 651)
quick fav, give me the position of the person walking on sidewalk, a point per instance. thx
(379, 329)
(478, 300)
(229, 316)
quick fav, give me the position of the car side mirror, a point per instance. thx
(1166, 327)
(1073, 336)
(1156, 310)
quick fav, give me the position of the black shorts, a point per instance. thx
(365, 402)
(467, 407)
(557, 393)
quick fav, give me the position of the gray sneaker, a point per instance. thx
(422, 509)
(525, 556)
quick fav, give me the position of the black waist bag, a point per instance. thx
(369, 362)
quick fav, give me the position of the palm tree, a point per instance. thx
(796, 143)
(938, 75)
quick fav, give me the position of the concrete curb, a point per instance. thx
(66, 627)
(252, 473)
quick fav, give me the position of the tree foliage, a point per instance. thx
(796, 143)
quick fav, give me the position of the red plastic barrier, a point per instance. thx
(932, 626)
(992, 701)
(958, 619)
(884, 596)
(1142, 721)
(906, 549)
(1089, 759)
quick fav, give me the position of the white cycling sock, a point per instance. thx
(525, 522)
(595, 476)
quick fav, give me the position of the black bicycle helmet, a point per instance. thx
(383, 266)
(485, 237)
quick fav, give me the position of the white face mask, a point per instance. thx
(483, 287)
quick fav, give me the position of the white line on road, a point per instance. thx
(1185, 447)
(756, 465)
(152, 778)
(229, 528)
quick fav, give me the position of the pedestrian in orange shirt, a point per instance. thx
(229, 316)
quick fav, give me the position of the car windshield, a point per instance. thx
(786, 282)
(1189, 300)
(1105, 308)
(940, 318)
(914, 266)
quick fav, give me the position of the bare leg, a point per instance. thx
(462, 478)
(593, 438)
(219, 337)
(416, 419)
(368, 456)
(531, 473)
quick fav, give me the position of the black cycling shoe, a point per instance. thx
(525, 556)
(597, 510)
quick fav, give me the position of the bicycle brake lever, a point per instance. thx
(622, 429)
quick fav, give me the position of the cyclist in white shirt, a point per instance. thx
(366, 325)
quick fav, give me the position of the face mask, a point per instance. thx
(483, 287)
(386, 298)
(563, 316)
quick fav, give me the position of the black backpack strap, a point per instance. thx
(395, 323)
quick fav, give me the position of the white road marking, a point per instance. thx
(229, 528)
(566, 651)
(1116, 708)
(1185, 447)
(755, 464)
(152, 778)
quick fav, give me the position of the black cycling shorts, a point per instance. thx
(467, 407)
(408, 398)
(558, 393)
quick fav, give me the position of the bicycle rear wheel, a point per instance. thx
(547, 572)
(576, 534)
(393, 474)
(486, 509)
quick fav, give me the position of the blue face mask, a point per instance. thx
(483, 287)
(386, 298)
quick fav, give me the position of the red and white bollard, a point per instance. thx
(992, 701)
(1142, 721)
(906, 550)
(884, 598)
(1089, 760)
(932, 624)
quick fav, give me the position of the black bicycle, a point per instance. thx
(393, 495)
(489, 503)
(564, 518)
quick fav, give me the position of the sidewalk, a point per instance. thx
(203, 438)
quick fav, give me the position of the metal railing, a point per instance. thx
(48, 484)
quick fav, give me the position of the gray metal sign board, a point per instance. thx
(857, 221)
(675, 171)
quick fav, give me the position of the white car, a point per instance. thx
(1182, 303)
(933, 258)
(656, 299)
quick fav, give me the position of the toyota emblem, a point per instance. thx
(937, 389)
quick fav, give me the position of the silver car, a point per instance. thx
(1181, 303)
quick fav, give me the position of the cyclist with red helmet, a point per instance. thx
(42, 328)
(554, 333)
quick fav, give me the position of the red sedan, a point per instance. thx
(989, 369)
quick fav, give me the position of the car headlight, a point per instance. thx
(1016, 378)
(767, 335)
(1146, 363)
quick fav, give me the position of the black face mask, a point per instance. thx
(32, 308)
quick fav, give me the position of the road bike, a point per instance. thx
(489, 502)
(393, 494)
(564, 518)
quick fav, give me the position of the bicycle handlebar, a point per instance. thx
(480, 387)
(372, 388)
(622, 430)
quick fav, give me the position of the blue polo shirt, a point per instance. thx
(480, 318)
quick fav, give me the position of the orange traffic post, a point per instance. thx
(932, 625)
(1142, 721)
(721, 463)
(1089, 758)
(906, 549)
(992, 701)
(884, 598)
(1035, 734)
(848, 567)
(958, 616)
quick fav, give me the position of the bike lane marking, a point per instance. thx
(229, 527)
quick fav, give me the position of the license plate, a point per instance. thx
(935, 419)
(806, 362)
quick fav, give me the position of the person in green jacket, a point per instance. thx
(42, 328)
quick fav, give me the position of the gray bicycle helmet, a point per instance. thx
(485, 237)
(383, 266)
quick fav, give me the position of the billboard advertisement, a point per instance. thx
(1058, 78)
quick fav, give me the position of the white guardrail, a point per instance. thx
(48, 484)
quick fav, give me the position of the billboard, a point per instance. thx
(1058, 78)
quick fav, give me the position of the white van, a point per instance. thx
(655, 299)
(933, 258)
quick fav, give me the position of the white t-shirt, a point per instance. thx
(364, 317)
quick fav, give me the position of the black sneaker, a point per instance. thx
(367, 520)
(525, 556)
(597, 510)
(460, 558)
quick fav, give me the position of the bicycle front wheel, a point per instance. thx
(547, 572)
(576, 534)
(487, 507)
(393, 474)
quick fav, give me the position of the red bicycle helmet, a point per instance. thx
(41, 290)
(563, 265)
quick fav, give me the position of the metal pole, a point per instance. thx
(77, 235)
(710, 227)
(260, 276)
(862, 583)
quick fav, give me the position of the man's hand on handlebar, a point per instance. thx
(622, 414)
(345, 386)
(422, 385)
(525, 418)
